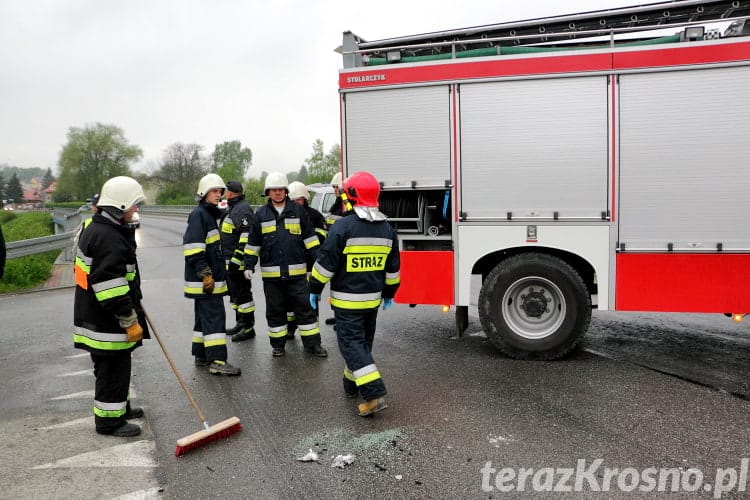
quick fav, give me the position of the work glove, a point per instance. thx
(134, 332)
(387, 303)
(314, 299)
(208, 284)
(248, 274)
(129, 322)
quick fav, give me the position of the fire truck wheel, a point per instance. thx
(534, 306)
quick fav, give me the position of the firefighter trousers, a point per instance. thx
(112, 382)
(293, 295)
(241, 298)
(355, 332)
(209, 330)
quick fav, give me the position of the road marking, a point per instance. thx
(141, 494)
(75, 395)
(73, 374)
(71, 423)
(73, 356)
(137, 454)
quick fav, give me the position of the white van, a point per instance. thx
(323, 197)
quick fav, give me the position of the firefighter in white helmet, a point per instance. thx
(282, 238)
(205, 275)
(108, 318)
(360, 258)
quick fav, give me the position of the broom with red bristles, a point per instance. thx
(209, 433)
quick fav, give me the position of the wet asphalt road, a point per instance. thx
(455, 404)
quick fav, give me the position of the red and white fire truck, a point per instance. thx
(573, 162)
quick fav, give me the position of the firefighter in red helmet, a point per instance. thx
(360, 258)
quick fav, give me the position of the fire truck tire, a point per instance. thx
(534, 306)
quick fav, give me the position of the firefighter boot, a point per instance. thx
(125, 430)
(236, 328)
(317, 350)
(372, 406)
(131, 412)
(218, 367)
(245, 332)
(291, 327)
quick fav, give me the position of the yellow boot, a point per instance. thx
(372, 406)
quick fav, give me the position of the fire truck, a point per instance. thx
(593, 160)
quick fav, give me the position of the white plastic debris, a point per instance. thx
(399, 477)
(342, 461)
(311, 456)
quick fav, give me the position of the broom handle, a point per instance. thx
(174, 369)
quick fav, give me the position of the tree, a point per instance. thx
(302, 174)
(254, 191)
(92, 155)
(2, 190)
(231, 161)
(48, 179)
(14, 191)
(320, 166)
(179, 173)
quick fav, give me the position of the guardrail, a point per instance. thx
(33, 246)
(66, 226)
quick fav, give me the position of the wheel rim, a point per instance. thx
(533, 307)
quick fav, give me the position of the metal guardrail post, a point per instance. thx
(67, 221)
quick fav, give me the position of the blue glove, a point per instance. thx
(387, 303)
(314, 299)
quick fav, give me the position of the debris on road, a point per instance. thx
(342, 461)
(311, 456)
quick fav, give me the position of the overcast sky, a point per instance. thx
(203, 71)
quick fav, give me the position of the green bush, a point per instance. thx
(32, 270)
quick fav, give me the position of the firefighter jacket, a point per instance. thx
(235, 229)
(361, 260)
(338, 210)
(201, 246)
(321, 230)
(282, 241)
(108, 285)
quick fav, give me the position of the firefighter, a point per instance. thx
(360, 258)
(299, 194)
(235, 227)
(340, 206)
(205, 272)
(282, 237)
(108, 318)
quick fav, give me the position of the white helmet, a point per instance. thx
(336, 180)
(276, 180)
(209, 182)
(122, 193)
(298, 190)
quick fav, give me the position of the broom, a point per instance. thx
(208, 433)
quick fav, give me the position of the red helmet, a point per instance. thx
(363, 189)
